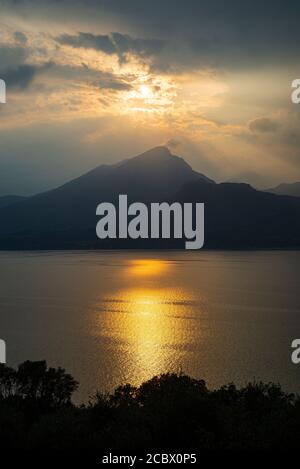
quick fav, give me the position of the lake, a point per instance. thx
(116, 317)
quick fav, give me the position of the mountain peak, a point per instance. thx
(156, 153)
(159, 161)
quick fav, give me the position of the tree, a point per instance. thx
(34, 381)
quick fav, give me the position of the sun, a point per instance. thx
(145, 91)
(151, 95)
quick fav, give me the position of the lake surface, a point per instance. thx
(116, 317)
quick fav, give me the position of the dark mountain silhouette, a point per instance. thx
(292, 189)
(239, 216)
(10, 200)
(65, 217)
(236, 215)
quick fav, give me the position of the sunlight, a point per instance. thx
(145, 91)
(140, 322)
(147, 267)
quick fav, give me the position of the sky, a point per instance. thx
(97, 81)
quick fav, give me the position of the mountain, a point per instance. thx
(66, 216)
(10, 200)
(236, 215)
(292, 189)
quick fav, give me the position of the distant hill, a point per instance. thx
(236, 215)
(255, 179)
(10, 199)
(292, 189)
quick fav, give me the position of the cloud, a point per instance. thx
(198, 33)
(22, 76)
(12, 56)
(173, 144)
(142, 47)
(263, 125)
(86, 75)
(19, 77)
(20, 37)
(15, 68)
(112, 83)
(115, 43)
(89, 41)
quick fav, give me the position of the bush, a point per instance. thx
(171, 411)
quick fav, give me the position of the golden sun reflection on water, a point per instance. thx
(148, 325)
(147, 267)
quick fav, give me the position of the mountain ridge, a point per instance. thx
(152, 176)
(292, 189)
(236, 214)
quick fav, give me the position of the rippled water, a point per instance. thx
(112, 317)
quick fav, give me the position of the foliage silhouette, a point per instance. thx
(171, 411)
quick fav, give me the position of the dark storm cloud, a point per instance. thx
(143, 47)
(89, 41)
(115, 43)
(19, 77)
(231, 34)
(13, 70)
